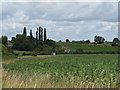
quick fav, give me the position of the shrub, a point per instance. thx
(4, 50)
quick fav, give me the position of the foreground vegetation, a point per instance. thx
(5, 53)
(78, 71)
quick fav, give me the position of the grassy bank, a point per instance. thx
(6, 53)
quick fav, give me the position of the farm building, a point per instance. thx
(66, 49)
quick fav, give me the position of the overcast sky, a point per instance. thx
(72, 20)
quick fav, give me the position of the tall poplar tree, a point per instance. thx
(24, 32)
(31, 36)
(41, 34)
(45, 36)
(37, 35)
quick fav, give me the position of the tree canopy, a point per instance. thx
(4, 40)
(99, 39)
(29, 43)
(67, 40)
(116, 40)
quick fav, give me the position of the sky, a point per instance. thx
(63, 20)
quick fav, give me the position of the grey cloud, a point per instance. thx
(62, 20)
(62, 11)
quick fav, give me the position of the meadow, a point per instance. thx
(89, 47)
(76, 48)
(62, 71)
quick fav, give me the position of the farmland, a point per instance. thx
(89, 47)
(60, 45)
(86, 48)
(78, 71)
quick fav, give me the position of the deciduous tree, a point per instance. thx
(24, 32)
(45, 37)
(67, 40)
(99, 39)
(116, 40)
(5, 40)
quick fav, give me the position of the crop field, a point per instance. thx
(86, 48)
(66, 71)
(90, 47)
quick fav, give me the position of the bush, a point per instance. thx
(4, 50)
(6, 53)
(50, 43)
(47, 49)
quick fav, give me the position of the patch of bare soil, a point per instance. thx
(26, 57)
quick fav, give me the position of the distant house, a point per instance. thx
(66, 49)
(80, 42)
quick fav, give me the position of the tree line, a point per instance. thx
(40, 42)
(23, 42)
(100, 40)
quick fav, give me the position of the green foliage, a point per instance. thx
(1, 40)
(37, 35)
(24, 32)
(47, 48)
(4, 50)
(50, 42)
(59, 41)
(23, 52)
(88, 41)
(13, 38)
(89, 68)
(6, 53)
(45, 36)
(67, 40)
(99, 39)
(31, 36)
(22, 43)
(116, 40)
(40, 33)
(4, 40)
(8, 57)
(44, 50)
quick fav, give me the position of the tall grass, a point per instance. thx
(46, 81)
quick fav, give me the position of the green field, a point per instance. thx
(64, 71)
(89, 47)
